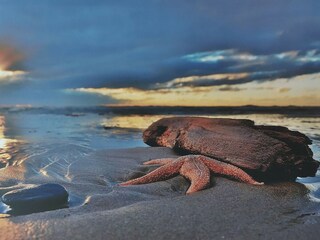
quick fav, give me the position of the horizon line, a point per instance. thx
(155, 106)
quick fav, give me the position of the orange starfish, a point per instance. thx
(196, 168)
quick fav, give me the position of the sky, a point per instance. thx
(160, 52)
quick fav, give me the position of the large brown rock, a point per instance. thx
(268, 153)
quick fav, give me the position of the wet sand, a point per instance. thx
(100, 209)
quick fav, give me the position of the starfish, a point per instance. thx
(196, 168)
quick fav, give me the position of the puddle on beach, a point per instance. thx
(47, 144)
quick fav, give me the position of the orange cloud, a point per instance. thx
(9, 56)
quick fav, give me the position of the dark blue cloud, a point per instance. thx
(208, 68)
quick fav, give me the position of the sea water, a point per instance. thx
(46, 140)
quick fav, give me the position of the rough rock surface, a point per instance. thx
(268, 153)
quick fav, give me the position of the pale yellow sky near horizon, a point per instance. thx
(301, 90)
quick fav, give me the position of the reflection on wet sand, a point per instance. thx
(8, 146)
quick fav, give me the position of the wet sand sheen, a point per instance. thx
(100, 209)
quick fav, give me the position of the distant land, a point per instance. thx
(172, 110)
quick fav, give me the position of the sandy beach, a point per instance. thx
(100, 209)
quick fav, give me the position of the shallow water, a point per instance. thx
(47, 143)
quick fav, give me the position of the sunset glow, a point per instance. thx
(9, 57)
(279, 92)
(11, 76)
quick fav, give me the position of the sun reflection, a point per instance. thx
(7, 145)
(133, 122)
(2, 143)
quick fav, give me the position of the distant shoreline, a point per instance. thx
(175, 110)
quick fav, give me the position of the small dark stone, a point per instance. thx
(46, 196)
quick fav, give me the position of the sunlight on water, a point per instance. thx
(130, 122)
(8, 146)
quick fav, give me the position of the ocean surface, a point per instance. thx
(45, 139)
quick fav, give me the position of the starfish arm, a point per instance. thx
(161, 161)
(161, 173)
(198, 174)
(228, 170)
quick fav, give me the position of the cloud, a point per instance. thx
(214, 68)
(236, 67)
(243, 60)
(231, 89)
(208, 80)
(10, 61)
(9, 77)
(161, 97)
(301, 90)
(9, 57)
(284, 90)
